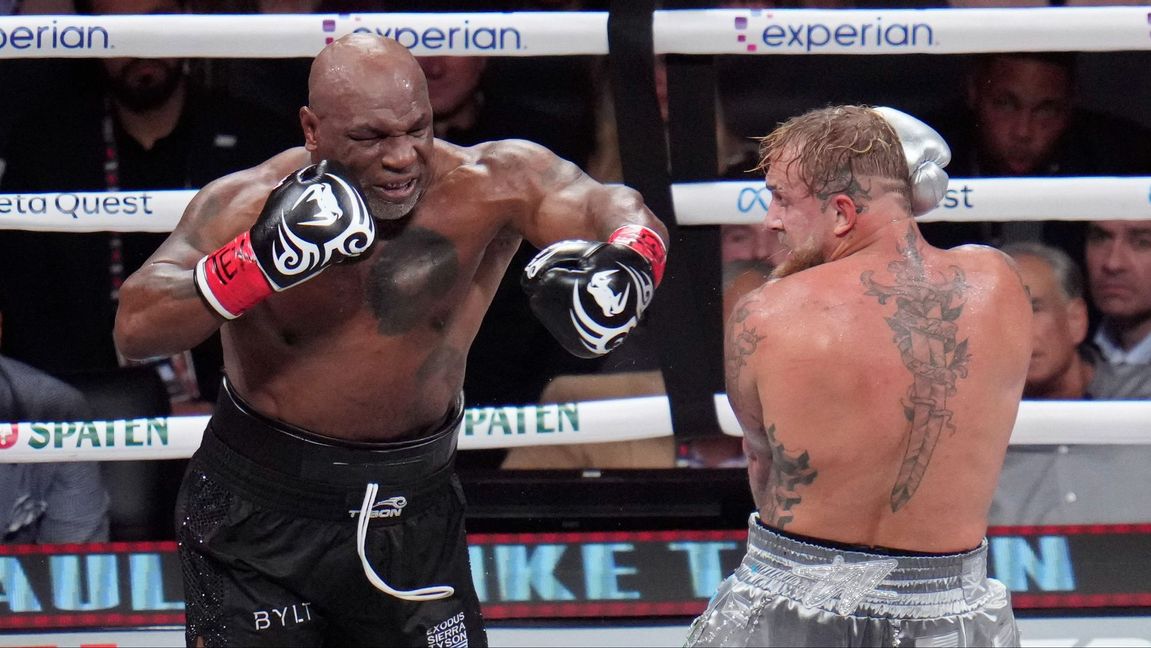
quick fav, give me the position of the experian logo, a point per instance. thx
(780, 33)
(462, 36)
(54, 37)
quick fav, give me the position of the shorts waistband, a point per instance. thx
(279, 465)
(297, 452)
(882, 584)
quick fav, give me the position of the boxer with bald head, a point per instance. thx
(348, 278)
(876, 380)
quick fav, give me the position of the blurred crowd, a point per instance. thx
(132, 124)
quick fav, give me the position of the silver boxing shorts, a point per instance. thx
(788, 592)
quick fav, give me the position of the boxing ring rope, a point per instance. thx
(710, 31)
(698, 203)
(730, 31)
(614, 420)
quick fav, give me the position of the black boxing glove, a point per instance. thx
(315, 217)
(590, 295)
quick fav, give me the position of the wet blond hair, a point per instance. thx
(829, 148)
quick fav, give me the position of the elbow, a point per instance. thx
(127, 334)
(133, 331)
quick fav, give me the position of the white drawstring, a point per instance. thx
(424, 593)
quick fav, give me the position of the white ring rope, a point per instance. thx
(698, 203)
(1046, 422)
(967, 199)
(711, 31)
(302, 35)
(624, 419)
(900, 31)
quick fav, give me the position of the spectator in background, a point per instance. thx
(736, 155)
(1119, 274)
(46, 502)
(748, 254)
(124, 124)
(1083, 483)
(472, 94)
(132, 124)
(456, 96)
(1020, 118)
(1120, 304)
(1062, 366)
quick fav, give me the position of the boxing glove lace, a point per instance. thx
(591, 294)
(314, 218)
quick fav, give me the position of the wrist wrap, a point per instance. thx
(647, 243)
(230, 280)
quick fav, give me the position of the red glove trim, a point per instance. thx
(649, 245)
(230, 280)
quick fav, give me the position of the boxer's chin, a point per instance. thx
(798, 261)
(394, 211)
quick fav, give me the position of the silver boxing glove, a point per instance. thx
(926, 154)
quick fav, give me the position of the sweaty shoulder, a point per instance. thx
(230, 204)
(770, 301)
(992, 279)
(257, 180)
(524, 164)
(985, 260)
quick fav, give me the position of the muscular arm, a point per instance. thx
(569, 203)
(160, 312)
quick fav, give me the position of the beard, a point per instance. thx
(390, 211)
(146, 84)
(797, 261)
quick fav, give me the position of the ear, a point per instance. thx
(1077, 319)
(845, 214)
(309, 123)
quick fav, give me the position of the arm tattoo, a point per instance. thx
(925, 330)
(789, 471)
(743, 340)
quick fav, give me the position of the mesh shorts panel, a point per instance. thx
(205, 507)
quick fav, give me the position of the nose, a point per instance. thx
(1023, 125)
(1115, 258)
(771, 220)
(399, 154)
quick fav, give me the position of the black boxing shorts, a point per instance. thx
(276, 548)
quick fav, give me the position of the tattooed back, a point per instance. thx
(877, 393)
